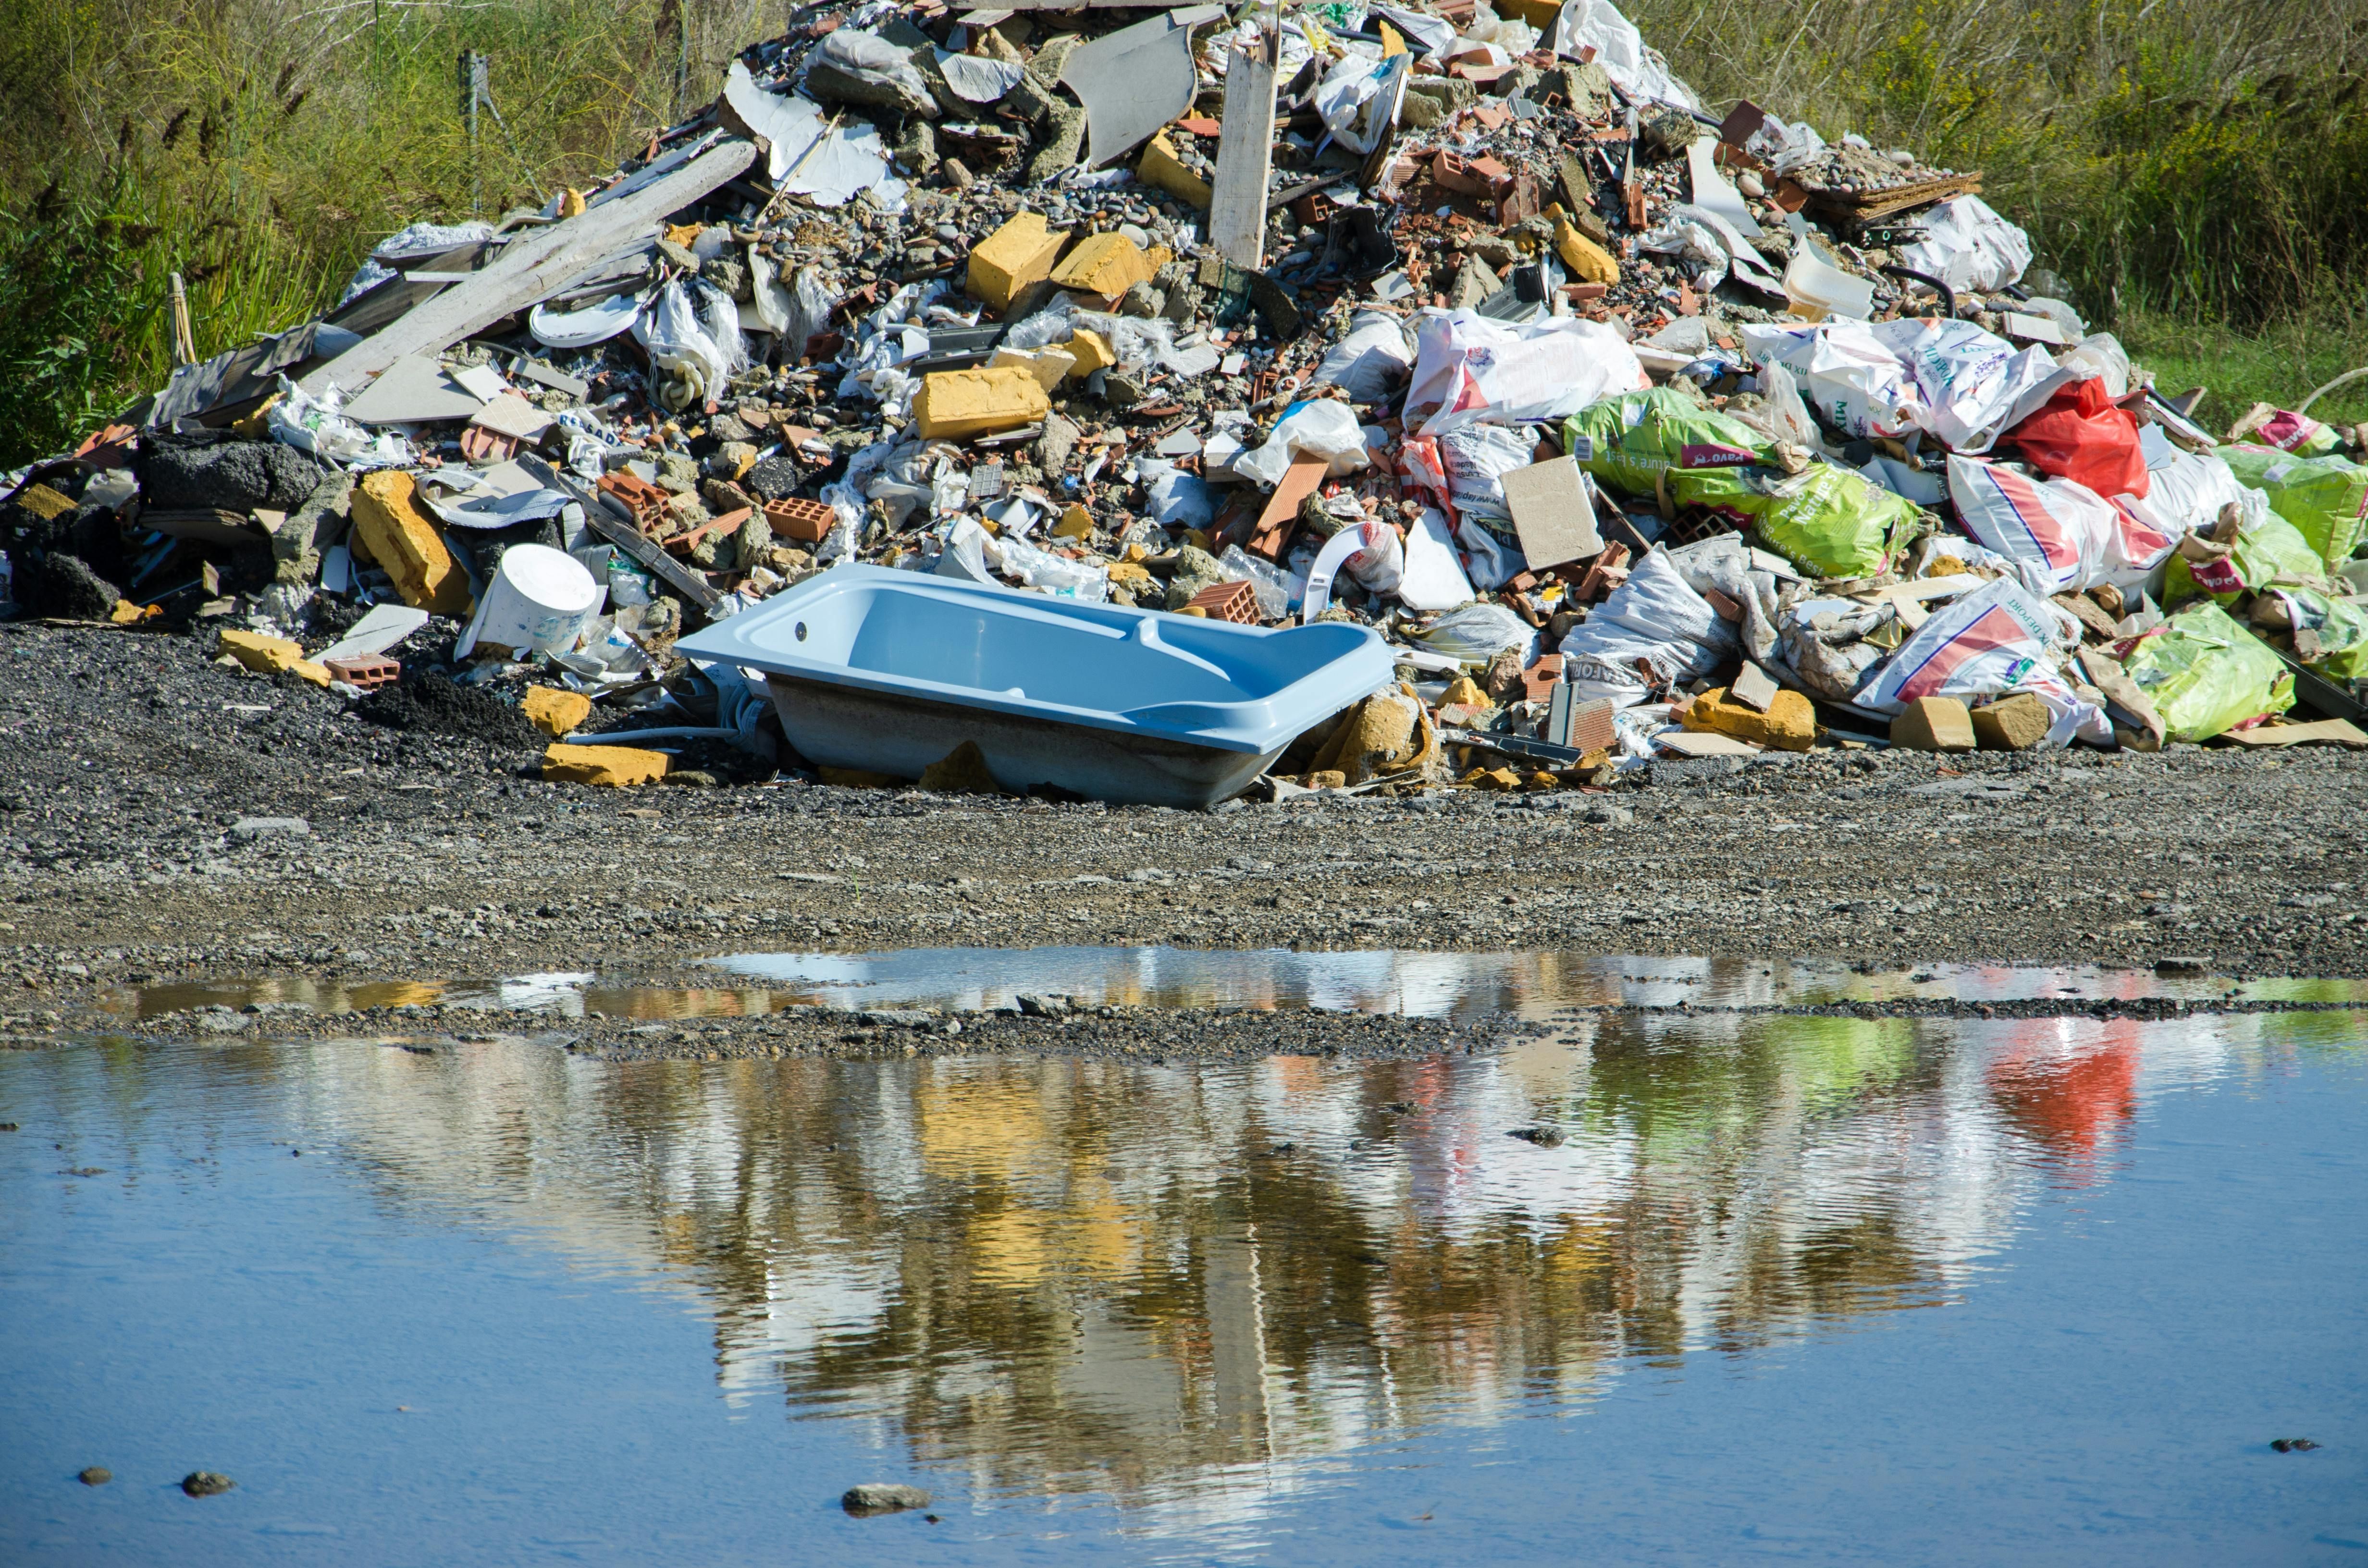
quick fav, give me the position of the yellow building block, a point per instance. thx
(270, 656)
(403, 536)
(1018, 254)
(1588, 262)
(1104, 266)
(1790, 723)
(1162, 170)
(609, 766)
(556, 712)
(1092, 350)
(954, 404)
(1076, 523)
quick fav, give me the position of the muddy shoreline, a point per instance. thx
(162, 818)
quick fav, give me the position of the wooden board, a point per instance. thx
(530, 268)
(1244, 158)
(2327, 732)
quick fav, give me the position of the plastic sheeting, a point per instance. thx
(1968, 246)
(1655, 620)
(1637, 71)
(2061, 535)
(1467, 364)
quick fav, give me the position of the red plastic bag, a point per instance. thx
(2079, 435)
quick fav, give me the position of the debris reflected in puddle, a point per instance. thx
(1400, 982)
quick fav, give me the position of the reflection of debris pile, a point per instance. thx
(1629, 430)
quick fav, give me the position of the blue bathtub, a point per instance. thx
(888, 671)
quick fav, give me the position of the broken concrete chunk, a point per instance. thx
(1049, 365)
(1588, 262)
(1104, 266)
(1790, 723)
(1162, 170)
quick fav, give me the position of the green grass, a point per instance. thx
(2282, 364)
(2197, 168)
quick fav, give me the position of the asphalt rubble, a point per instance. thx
(1649, 438)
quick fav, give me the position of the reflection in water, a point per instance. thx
(1421, 983)
(1185, 1286)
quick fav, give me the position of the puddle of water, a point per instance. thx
(1804, 1287)
(1533, 984)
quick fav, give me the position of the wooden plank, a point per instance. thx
(528, 268)
(1244, 158)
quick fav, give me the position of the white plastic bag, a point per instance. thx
(1176, 499)
(2062, 536)
(1492, 561)
(1465, 362)
(690, 368)
(1654, 620)
(1371, 361)
(320, 426)
(2187, 494)
(1619, 48)
(1055, 574)
(1475, 633)
(1322, 427)
(1971, 382)
(1849, 376)
(1968, 246)
(1359, 98)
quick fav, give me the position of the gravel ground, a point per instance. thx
(128, 762)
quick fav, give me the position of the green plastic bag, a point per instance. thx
(2330, 634)
(2204, 673)
(1630, 440)
(1828, 521)
(2325, 498)
(2268, 550)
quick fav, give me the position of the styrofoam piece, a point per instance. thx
(889, 671)
(380, 631)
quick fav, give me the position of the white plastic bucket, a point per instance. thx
(538, 600)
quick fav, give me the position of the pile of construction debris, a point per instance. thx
(1634, 430)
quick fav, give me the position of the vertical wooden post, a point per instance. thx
(1245, 155)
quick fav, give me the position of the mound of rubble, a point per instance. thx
(1633, 430)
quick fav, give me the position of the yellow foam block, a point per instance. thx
(556, 712)
(1103, 264)
(1049, 364)
(609, 766)
(1018, 254)
(270, 656)
(1092, 352)
(1588, 262)
(1162, 170)
(953, 404)
(404, 537)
